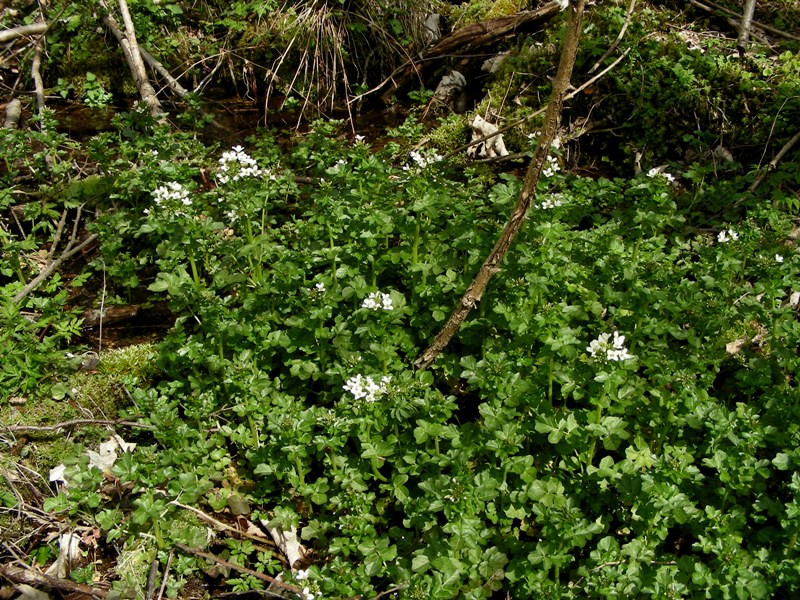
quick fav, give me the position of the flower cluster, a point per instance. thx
(552, 167)
(656, 171)
(423, 160)
(236, 164)
(609, 349)
(778, 258)
(378, 301)
(366, 387)
(727, 235)
(171, 196)
(553, 201)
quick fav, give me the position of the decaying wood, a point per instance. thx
(133, 56)
(112, 314)
(13, 114)
(746, 26)
(492, 263)
(8, 35)
(40, 581)
(464, 40)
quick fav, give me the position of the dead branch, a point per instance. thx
(172, 83)
(224, 527)
(541, 111)
(709, 6)
(8, 35)
(13, 114)
(75, 423)
(230, 565)
(48, 270)
(40, 581)
(492, 263)
(132, 52)
(746, 26)
(620, 35)
(462, 41)
(774, 162)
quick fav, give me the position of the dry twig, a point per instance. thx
(492, 263)
(200, 554)
(75, 423)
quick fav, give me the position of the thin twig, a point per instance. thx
(222, 526)
(76, 423)
(164, 576)
(48, 270)
(710, 6)
(491, 265)
(28, 576)
(620, 35)
(57, 235)
(774, 162)
(200, 554)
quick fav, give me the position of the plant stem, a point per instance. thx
(193, 265)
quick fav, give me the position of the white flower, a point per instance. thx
(605, 347)
(378, 301)
(320, 287)
(726, 235)
(423, 160)
(657, 171)
(236, 164)
(171, 196)
(552, 202)
(552, 167)
(778, 258)
(562, 4)
(359, 138)
(366, 387)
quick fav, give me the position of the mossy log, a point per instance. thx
(466, 38)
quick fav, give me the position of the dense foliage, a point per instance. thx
(619, 417)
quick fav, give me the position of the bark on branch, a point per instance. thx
(492, 263)
(133, 56)
(744, 28)
(462, 40)
(8, 35)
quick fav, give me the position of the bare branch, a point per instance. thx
(492, 263)
(130, 47)
(75, 423)
(746, 26)
(8, 35)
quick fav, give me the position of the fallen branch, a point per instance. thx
(709, 6)
(172, 83)
(13, 114)
(133, 56)
(8, 35)
(461, 41)
(200, 554)
(40, 581)
(492, 263)
(68, 253)
(616, 42)
(224, 527)
(774, 162)
(75, 423)
(541, 111)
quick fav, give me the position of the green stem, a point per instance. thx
(195, 274)
(299, 467)
(550, 382)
